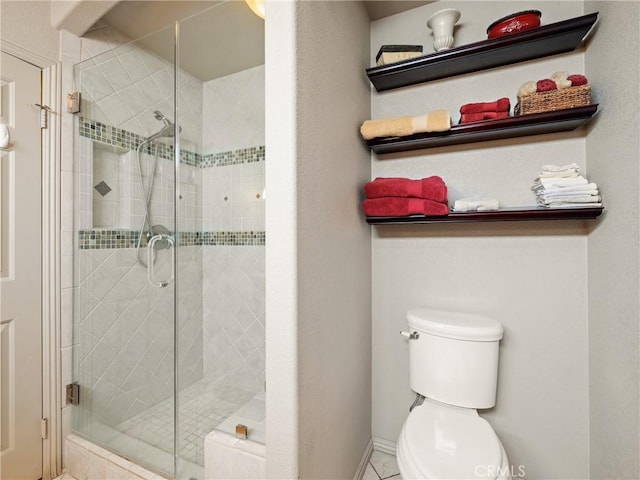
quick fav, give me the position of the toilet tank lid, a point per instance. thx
(460, 326)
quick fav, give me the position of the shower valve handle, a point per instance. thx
(150, 257)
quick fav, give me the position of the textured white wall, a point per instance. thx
(283, 399)
(318, 250)
(613, 150)
(334, 262)
(28, 25)
(532, 277)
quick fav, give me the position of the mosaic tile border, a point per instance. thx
(97, 239)
(234, 157)
(118, 137)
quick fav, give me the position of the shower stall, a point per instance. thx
(169, 284)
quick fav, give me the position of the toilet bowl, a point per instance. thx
(439, 441)
(453, 360)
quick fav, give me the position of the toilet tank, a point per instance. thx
(453, 357)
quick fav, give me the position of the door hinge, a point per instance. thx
(44, 428)
(73, 102)
(44, 115)
(73, 394)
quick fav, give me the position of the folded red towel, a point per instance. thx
(546, 85)
(430, 188)
(577, 80)
(476, 117)
(400, 207)
(500, 105)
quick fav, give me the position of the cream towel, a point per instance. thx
(435, 121)
(527, 88)
(476, 205)
(561, 80)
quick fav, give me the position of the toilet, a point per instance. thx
(453, 364)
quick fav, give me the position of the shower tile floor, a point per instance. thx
(202, 407)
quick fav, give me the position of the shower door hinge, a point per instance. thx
(44, 115)
(73, 102)
(73, 394)
(44, 428)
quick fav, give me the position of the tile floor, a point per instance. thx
(381, 466)
(202, 408)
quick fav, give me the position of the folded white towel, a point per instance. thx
(562, 186)
(564, 174)
(574, 205)
(476, 205)
(570, 199)
(570, 192)
(561, 168)
(561, 182)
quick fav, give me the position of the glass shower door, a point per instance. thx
(125, 250)
(169, 277)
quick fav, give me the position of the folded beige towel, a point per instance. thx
(561, 75)
(527, 88)
(435, 121)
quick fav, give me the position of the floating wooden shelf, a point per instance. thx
(502, 215)
(539, 42)
(517, 126)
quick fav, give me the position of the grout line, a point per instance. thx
(374, 469)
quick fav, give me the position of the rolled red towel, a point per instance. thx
(546, 85)
(477, 117)
(401, 207)
(577, 80)
(501, 105)
(430, 188)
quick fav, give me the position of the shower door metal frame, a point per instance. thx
(176, 243)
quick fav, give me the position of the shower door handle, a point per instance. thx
(151, 275)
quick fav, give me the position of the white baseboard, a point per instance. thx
(384, 446)
(364, 461)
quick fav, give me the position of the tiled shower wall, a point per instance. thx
(234, 109)
(222, 210)
(124, 331)
(233, 198)
(124, 349)
(123, 87)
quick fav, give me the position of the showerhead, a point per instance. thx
(161, 116)
(167, 131)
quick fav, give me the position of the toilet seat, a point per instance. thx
(444, 442)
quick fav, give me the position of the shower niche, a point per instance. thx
(111, 189)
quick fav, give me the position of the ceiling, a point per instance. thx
(225, 31)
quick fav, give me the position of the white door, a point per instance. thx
(20, 274)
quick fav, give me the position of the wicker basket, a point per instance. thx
(571, 97)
